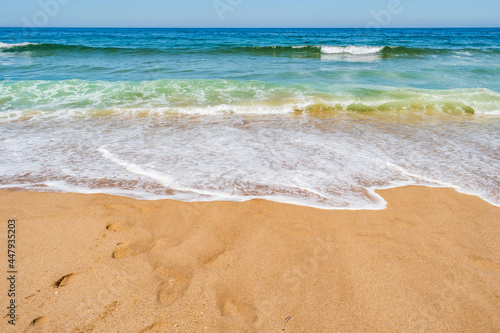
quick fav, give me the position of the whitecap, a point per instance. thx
(8, 46)
(357, 50)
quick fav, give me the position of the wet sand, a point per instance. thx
(430, 262)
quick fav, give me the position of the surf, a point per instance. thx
(80, 97)
(48, 49)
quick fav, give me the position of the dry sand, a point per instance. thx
(430, 262)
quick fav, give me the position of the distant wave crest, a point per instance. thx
(270, 50)
(351, 49)
(14, 45)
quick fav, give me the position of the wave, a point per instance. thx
(41, 50)
(48, 98)
(351, 49)
(382, 51)
(56, 49)
(270, 50)
(15, 45)
(303, 50)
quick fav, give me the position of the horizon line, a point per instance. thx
(204, 27)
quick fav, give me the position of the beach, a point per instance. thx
(429, 262)
(250, 180)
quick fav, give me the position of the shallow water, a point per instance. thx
(317, 117)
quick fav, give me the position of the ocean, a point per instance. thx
(313, 117)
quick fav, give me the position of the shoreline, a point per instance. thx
(240, 199)
(96, 262)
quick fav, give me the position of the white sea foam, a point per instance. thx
(164, 179)
(242, 150)
(8, 46)
(332, 163)
(45, 99)
(355, 50)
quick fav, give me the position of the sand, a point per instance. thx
(430, 262)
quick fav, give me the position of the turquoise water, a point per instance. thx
(317, 117)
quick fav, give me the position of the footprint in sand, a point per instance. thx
(65, 280)
(175, 283)
(236, 311)
(122, 250)
(115, 226)
(38, 325)
(235, 308)
(172, 289)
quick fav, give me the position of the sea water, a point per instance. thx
(314, 117)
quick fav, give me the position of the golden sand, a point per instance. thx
(430, 262)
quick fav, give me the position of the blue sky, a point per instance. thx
(250, 13)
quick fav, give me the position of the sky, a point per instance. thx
(250, 13)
